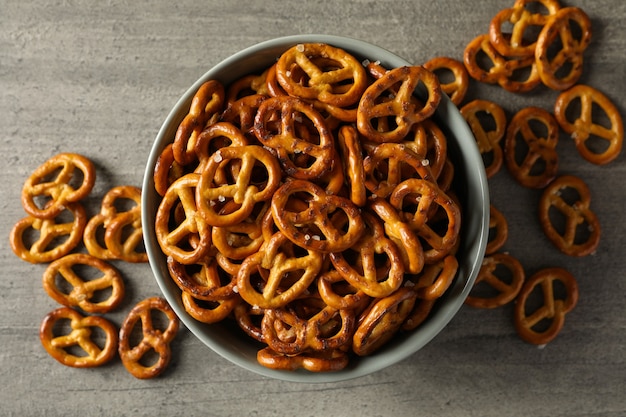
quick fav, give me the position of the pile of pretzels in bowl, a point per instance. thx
(314, 204)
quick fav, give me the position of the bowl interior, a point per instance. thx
(470, 184)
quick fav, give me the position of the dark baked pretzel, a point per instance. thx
(176, 241)
(203, 281)
(63, 347)
(246, 86)
(313, 227)
(52, 182)
(578, 215)
(517, 75)
(376, 107)
(498, 230)
(457, 87)
(552, 310)
(583, 128)
(154, 339)
(382, 320)
(340, 81)
(54, 240)
(166, 170)
(327, 361)
(206, 104)
(539, 165)
(242, 112)
(83, 291)
(289, 136)
(286, 274)
(256, 180)
(522, 22)
(503, 274)
(419, 314)
(475, 113)
(249, 319)
(429, 142)
(558, 31)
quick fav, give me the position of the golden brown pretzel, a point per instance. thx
(429, 142)
(580, 233)
(552, 310)
(339, 293)
(70, 269)
(340, 81)
(154, 338)
(517, 75)
(584, 128)
(166, 170)
(62, 346)
(558, 31)
(457, 88)
(204, 281)
(53, 182)
(327, 361)
(208, 312)
(539, 165)
(349, 145)
(54, 240)
(214, 137)
(475, 113)
(498, 230)
(313, 228)
(503, 275)
(375, 107)
(242, 239)
(241, 113)
(436, 278)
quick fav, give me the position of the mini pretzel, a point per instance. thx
(429, 143)
(570, 55)
(46, 247)
(153, 338)
(248, 85)
(83, 291)
(517, 43)
(349, 297)
(249, 319)
(457, 88)
(241, 113)
(503, 274)
(584, 128)
(350, 149)
(419, 314)
(403, 108)
(516, 75)
(539, 165)
(313, 228)
(203, 281)
(289, 142)
(383, 319)
(257, 178)
(176, 242)
(208, 311)
(436, 278)
(206, 104)
(216, 136)
(240, 240)
(577, 214)
(488, 141)
(553, 309)
(166, 170)
(60, 346)
(498, 230)
(340, 82)
(327, 361)
(53, 182)
(288, 275)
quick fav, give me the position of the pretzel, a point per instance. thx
(558, 31)
(256, 180)
(203, 281)
(248, 85)
(419, 314)
(289, 140)
(583, 128)
(352, 154)
(516, 75)
(62, 347)
(214, 137)
(177, 241)
(51, 186)
(287, 274)
(457, 87)
(327, 361)
(153, 339)
(522, 21)
(55, 237)
(498, 282)
(375, 107)
(363, 271)
(241, 113)
(313, 228)
(205, 105)
(339, 293)
(553, 309)
(538, 166)
(69, 270)
(240, 240)
(436, 278)
(208, 311)
(498, 230)
(166, 170)
(383, 319)
(429, 143)
(477, 113)
(570, 238)
(340, 82)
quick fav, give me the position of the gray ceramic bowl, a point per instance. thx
(470, 182)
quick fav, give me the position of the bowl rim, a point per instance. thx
(475, 233)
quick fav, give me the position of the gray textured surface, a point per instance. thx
(98, 78)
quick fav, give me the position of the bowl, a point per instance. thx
(227, 339)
